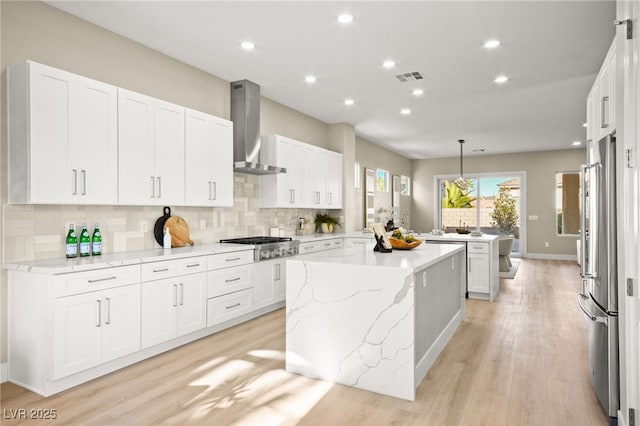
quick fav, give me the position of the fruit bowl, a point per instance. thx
(399, 244)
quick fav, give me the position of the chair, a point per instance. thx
(505, 244)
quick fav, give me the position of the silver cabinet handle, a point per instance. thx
(74, 190)
(232, 306)
(292, 196)
(317, 197)
(232, 259)
(175, 295)
(153, 187)
(84, 182)
(161, 270)
(193, 265)
(99, 313)
(604, 100)
(469, 266)
(330, 196)
(232, 280)
(97, 280)
(210, 190)
(159, 187)
(215, 190)
(181, 294)
(107, 319)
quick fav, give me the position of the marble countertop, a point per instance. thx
(415, 260)
(109, 260)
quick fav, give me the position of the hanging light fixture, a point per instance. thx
(461, 182)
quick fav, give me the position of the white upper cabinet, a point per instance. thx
(150, 150)
(282, 189)
(209, 160)
(313, 178)
(62, 137)
(601, 103)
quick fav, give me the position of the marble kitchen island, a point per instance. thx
(375, 321)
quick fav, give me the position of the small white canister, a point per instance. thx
(274, 232)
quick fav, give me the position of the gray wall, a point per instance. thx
(375, 157)
(540, 168)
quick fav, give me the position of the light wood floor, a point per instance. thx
(520, 360)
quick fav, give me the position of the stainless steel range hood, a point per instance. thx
(245, 114)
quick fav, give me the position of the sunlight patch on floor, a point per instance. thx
(267, 354)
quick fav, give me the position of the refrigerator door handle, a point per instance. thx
(595, 318)
(588, 198)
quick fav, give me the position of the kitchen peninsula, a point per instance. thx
(375, 321)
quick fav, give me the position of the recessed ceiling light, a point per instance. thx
(405, 111)
(576, 143)
(349, 101)
(492, 44)
(501, 79)
(584, 125)
(417, 92)
(388, 63)
(310, 79)
(345, 18)
(247, 45)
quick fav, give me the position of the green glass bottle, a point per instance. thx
(72, 243)
(96, 242)
(85, 241)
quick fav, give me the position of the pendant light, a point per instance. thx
(461, 182)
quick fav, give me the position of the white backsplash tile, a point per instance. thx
(35, 232)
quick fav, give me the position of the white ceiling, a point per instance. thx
(551, 52)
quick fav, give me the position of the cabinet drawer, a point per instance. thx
(226, 260)
(228, 280)
(229, 306)
(477, 248)
(83, 282)
(158, 270)
(309, 248)
(191, 265)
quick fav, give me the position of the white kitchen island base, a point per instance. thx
(375, 321)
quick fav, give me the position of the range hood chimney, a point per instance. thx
(245, 114)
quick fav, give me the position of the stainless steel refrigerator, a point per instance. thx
(598, 268)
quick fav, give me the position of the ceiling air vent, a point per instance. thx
(408, 76)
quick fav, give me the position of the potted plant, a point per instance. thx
(505, 213)
(325, 222)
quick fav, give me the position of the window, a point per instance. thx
(490, 203)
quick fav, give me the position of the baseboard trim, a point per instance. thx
(551, 256)
(4, 376)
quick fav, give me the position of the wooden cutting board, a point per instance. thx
(179, 231)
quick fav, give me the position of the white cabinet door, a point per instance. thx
(121, 321)
(136, 140)
(478, 278)
(222, 163)
(315, 177)
(209, 160)
(77, 333)
(282, 189)
(270, 283)
(150, 150)
(334, 180)
(169, 154)
(159, 300)
(192, 303)
(97, 143)
(62, 137)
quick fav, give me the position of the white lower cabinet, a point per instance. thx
(478, 273)
(270, 282)
(172, 307)
(96, 327)
(229, 306)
